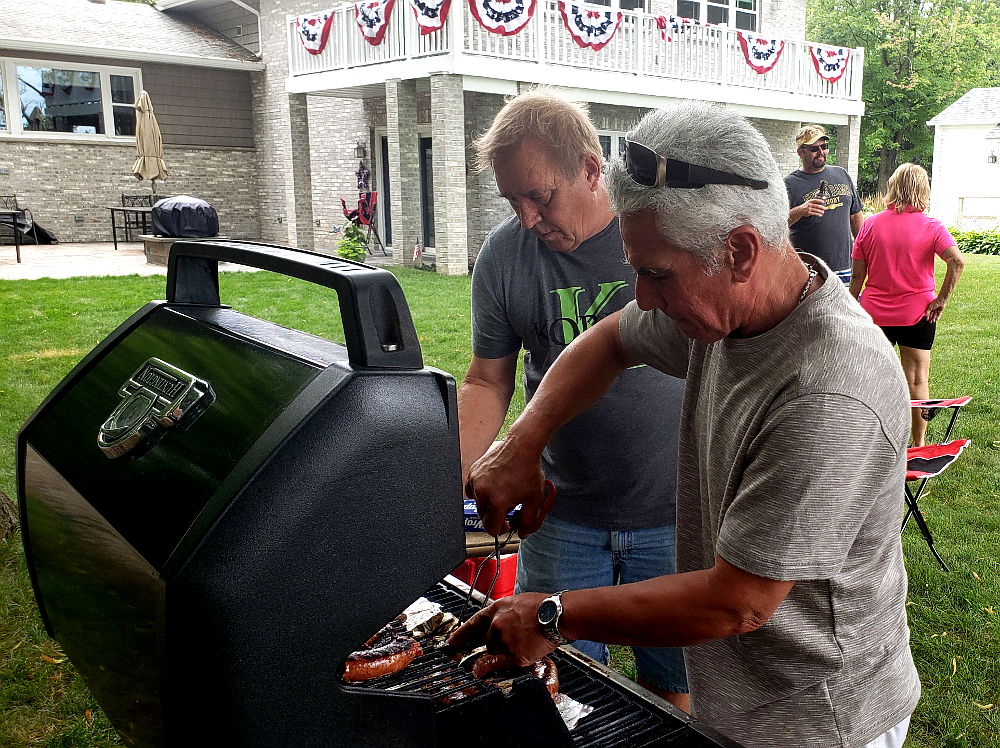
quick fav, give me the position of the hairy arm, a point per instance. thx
(483, 400)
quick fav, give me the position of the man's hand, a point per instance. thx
(814, 207)
(503, 478)
(508, 626)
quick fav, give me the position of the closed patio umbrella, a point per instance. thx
(148, 143)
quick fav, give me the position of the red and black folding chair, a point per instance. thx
(364, 215)
(924, 463)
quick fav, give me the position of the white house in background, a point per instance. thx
(965, 186)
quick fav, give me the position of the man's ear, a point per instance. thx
(744, 247)
(592, 170)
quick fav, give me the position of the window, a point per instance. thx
(68, 99)
(741, 14)
(609, 138)
(622, 4)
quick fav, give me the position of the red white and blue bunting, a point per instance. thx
(431, 14)
(590, 25)
(830, 62)
(373, 19)
(672, 29)
(505, 17)
(314, 30)
(761, 54)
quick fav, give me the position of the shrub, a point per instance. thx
(353, 245)
(873, 204)
(977, 242)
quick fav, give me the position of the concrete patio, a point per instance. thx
(70, 260)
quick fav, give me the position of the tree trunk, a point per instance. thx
(8, 516)
(886, 166)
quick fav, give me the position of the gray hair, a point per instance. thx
(700, 220)
(561, 126)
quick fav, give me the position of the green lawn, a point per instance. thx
(46, 326)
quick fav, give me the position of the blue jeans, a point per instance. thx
(566, 556)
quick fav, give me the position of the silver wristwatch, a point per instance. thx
(549, 613)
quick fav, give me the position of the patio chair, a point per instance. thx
(929, 461)
(16, 220)
(364, 215)
(141, 222)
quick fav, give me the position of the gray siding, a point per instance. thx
(200, 107)
(232, 21)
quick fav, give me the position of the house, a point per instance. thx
(407, 101)
(70, 71)
(965, 185)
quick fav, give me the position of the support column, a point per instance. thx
(450, 215)
(298, 194)
(404, 167)
(849, 146)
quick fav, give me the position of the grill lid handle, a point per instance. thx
(377, 324)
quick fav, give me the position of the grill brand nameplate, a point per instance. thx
(158, 397)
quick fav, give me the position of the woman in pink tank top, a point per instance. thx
(893, 261)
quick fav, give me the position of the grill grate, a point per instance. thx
(620, 717)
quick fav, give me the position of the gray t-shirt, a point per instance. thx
(614, 466)
(793, 452)
(827, 236)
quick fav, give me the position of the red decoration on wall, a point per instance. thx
(505, 17)
(761, 54)
(590, 25)
(314, 30)
(372, 17)
(830, 62)
(431, 14)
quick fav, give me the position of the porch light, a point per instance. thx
(360, 151)
(992, 158)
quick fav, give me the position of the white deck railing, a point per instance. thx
(708, 54)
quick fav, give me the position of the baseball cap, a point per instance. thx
(810, 134)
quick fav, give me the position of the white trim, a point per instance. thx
(127, 55)
(12, 101)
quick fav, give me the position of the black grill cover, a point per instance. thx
(185, 216)
(208, 572)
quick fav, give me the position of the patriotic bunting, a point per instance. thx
(373, 19)
(431, 14)
(505, 17)
(314, 30)
(590, 25)
(830, 62)
(672, 29)
(761, 54)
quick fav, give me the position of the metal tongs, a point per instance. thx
(515, 524)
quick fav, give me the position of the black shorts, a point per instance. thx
(919, 336)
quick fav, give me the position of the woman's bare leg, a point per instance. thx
(917, 367)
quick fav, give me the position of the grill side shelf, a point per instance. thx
(377, 324)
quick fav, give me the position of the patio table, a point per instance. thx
(140, 213)
(13, 217)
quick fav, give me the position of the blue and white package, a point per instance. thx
(472, 521)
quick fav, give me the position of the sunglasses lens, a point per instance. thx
(640, 163)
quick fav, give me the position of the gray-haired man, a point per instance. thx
(790, 592)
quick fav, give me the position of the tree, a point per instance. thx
(920, 57)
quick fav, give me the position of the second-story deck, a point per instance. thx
(638, 66)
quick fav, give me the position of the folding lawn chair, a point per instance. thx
(364, 215)
(928, 461)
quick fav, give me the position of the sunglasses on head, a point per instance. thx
(648, 168)
(816, 148)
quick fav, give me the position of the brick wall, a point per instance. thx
(780, 135)
(58, 181)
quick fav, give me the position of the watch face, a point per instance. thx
(546, 611)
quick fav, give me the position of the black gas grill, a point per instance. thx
(216, 510)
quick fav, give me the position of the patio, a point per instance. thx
(100, 258)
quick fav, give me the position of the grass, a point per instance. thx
(46, 326)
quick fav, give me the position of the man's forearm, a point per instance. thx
(481, 412)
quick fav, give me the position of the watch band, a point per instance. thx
(550, 628)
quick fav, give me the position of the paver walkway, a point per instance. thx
(69, 260)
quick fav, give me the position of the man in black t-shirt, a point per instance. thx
(822, 224)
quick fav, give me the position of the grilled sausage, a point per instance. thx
(486, 664)
(388, 651)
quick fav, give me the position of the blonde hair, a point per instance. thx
(909, 185)
(562, 127)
